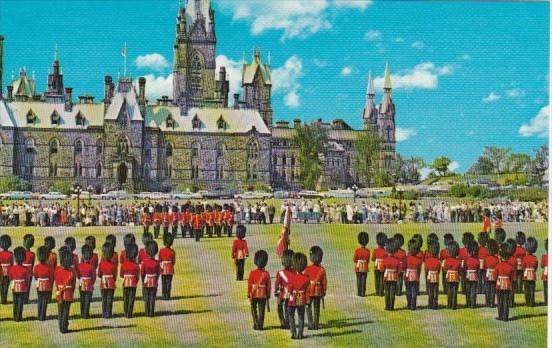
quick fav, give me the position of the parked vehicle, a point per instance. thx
(53, 196)
(116, 195)
(281, 194)
(83, 195)
(219, 193)
(153, 195)
(17, 195)
(253, 195)
(348, 193)
(311, 194)
(187, 195)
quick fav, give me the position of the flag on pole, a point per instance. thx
(283, 240)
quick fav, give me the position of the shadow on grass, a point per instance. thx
(159, 298)
(143, 314)
(425, 307)
(527, 316)
(341, 323)
(102, 327)
(335, 334)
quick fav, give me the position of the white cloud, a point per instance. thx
(538, 125)
(466, 57)
(157, 86)
(154, 61)
(424, 173)
(453, 166)
(233, 73)
(491, 98)
(346, 71)
(399, 39)
(320, 63)
(292, 99)
(422, 76)
(515, 92)
(403, 134)
(286, 80)
(418, 45)
(372, 35)
(297, 18)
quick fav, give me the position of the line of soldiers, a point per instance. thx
(193, 220)
(497, 268)
(132, 265)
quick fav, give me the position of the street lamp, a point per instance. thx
(90, 188)
(355, 189)
(77, 189)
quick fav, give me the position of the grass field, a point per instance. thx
(210, 308)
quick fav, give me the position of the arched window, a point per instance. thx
(78, 147)
(77, 170)
(52, 169)
(123, 145)
(389, 133)
(169, 170)
(252, 150)
(98, 170)
(196, 80)
(195, 149)
(147, 171)
(54, 118)
(79, 119)
(221, 149)
(169, 150)
(29, 145)
(53, 146)
(99, 147)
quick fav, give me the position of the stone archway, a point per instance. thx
(122, 174)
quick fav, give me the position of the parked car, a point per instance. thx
(281, 194)
(17, 195)
(253, 195)
(310, 194)
(348, 193)
(153, 195)
(83, 195)
(187, 195)
(219, 193)
(53, 196)
(116, 195)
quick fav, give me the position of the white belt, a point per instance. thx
(27, 264)
(43, 279)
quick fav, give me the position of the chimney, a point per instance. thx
(10, 92)
(296, 123)
(236, 101)
(68, 99)
(142, 91)
(1, 64)
(222, 74)
(108, 89)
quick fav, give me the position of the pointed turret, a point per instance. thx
(54, 89)
(370, 113)
(387, 107)
(387, 84)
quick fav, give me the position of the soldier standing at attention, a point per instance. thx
(258, 289)
(317, 287)
(519, 253)
(71, 244)
(157, 219)
(142, 255)
(128, 239)
(377, 258)
(462, 256)
(240, 251)
(391, 273)
(361, 259)
(19, 276)
(196, 223)
(87, 276)
(29, 260)
(401, 256)
(50, 244)
(6, 262)
(166, 219)
(130, 272)
(298, 296)
(111, 239)
(432, 268)
(505, 272)
(472, 274)
(443, 255)
(217, 219)
(452, 274)
(91, 241)
(482, 253)
(490, 273)
(65, 286)
(208, 219)
(530, 263)
(146, 218)
(280, 288)
(412, 274)
(107, 271)
(150, 275)
(44, 279)
(544, 265)
(487, 221)
(167, 260)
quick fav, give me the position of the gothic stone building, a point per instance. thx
(194, 139)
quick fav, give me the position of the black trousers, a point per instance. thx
(481, 282)
(529, 293)
(42, 304)
(156, 229)
(296, 328)
(146, 228)
(378, 275)
(490, 294)
(18, 301)
(444, 281)
(107, 302)
(432, 295)
(165, 229)
(149, 299)
(400, 284)
(271, 218)
(228, 230)
(462, 281)
(545, 285)
(361, 283)
(63, 316)
(4, 285)
(166, 285)
(174, 230)
(503, 299)
(471, 294)
(518, 284)
(313, 312)
(129, 296)
(209, 230)
(512, 297)
(85, 299)
(412, 289)
(452, 295)
(185, 229)
(218, 230)
(239, 269)
(258, 306)
(283, 314)
(197, 234)
(390, 291)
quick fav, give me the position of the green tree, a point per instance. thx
(63, 186)
(366, 161)
(483, 166)
(497, 156)
(441, 164)
(310, 141)
(538, 166)
(518, 162)
(13, 183)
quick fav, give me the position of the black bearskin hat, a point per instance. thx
(107, 251)
(240, 231)
(482, 238)
(466, 238)
(286, 258)
(316, 254)
(506, 251)
(453, 249)
(531, 245)
(500, 235)
(391, 246)
(299, 261)
(131, 252)
(447, 238)
(129, 239)
(363, 238)
(111, 239)
(381, 239)
(65, 257)
(512, 242)
(71, 243)
(49, 242)
(91, 240)
(86, 252)
(432, 236)
(413, 247)
(19, 255)
(28, 241)
(399, 238)
(152, 248)
(5, 242)
(492, 246)
(42, 254)
(261, 259)
(520, 238)
(433, 248)
(473, 248)
(146, 237)
(418, 238)
(168, 239)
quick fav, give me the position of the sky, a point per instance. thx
(465, 74)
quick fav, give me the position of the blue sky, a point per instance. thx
(466, 74)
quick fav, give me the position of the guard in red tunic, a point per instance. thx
(298, 296)
(19, 276)
(505, 273)
(185, 219)
(173, 217)
(443, 255)
(317, 287)
(361, 258)
(196, 223)
(65, 286)
(107, 272)
(167, 260)
(530, 264)
(452, 268)
(29, 261)
(150, 275)
(390, 273)
(217, 219)
(482, 253)
(491, 260)
(71, 244)
(240, 251)
(519, 253)
(157, 219)
(258, 289)
(500, 236)
(378, 256)
(87, 278)
(50, 244)
(412, 274)
(142, 255)
(207, 217)
(462, 256)
(111, 239)
(228, 217)
(44, 279)
(544, 277)
(498, 220)
(166, 221)
(514, 263)
(146, 218)
(472, 274)
(130, 273)
(487, 221)
(6, 261)
(401, 256)
(91, 241)
(128, 239)
(280, 288)
(432, 266)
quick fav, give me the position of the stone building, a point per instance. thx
(195, 139)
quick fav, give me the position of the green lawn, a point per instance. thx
(210, 308)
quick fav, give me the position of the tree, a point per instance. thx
(441, 164)
(497, 156)
(63, 186)
(310, 141)
(13, 183)
(483, 166)
(366, 161)
(408, 170)
(538, 166)
(518, 163)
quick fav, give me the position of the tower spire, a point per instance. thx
(371, 90)
(56, 53)
(387, 84)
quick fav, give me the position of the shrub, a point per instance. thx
(62, 186)
(13, 183)
(528, 195)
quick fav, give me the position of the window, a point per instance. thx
(98, 170)
(274, 160)
(29, 145)
(284, 160)
(123, 146)
(292, 161)
(99, 147)
(195, 149)
(170, 121)
(252, 150)
(169, 150)
(147, 171)
(221, 123)
(77, 170)
(195, 172)
(53, 146)
(54, 118)
(31, 117)
(79, 120)
(52, 170)
(78, 147)
(196, 80)
(389, 135)
(220, 171)
(196, 123)
(168, 170)
(221, 149)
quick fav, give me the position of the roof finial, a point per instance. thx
(387, 84)
(371, 90)
(257, 53)
(124, 54)
(56, 53)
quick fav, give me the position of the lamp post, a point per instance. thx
(355, 189)
(400, 203)
(78, 190)
(90, 188)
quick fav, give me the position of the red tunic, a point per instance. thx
(513, 262)
(452, 268)
(401, 256)
(413, 267)
(544, 265)
(196, 221)
(482, 253)
(65, 284)
(142, 255)
(490, 265)
(391, 269)
(519, 254)
(217, 218)
(107, 272)
(529, 263)
(505, 275)
(486, 224)
(462, 256)
(208, 218)
(75, 261)
(167, 259)
(44, 277)
(472, 269)
(122, 257)
(318, 280)
(150, 272)
(258, 284)
(52, 261)
(361, 258)
(6, 260)
(432, 267)
(19, 276)
(378, 256)
(87, 275)
(297, 289)
(29, 261)
(93, 260)
(280, 284)
(130, 273)
(239, 249)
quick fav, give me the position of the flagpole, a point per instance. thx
(125, 61)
